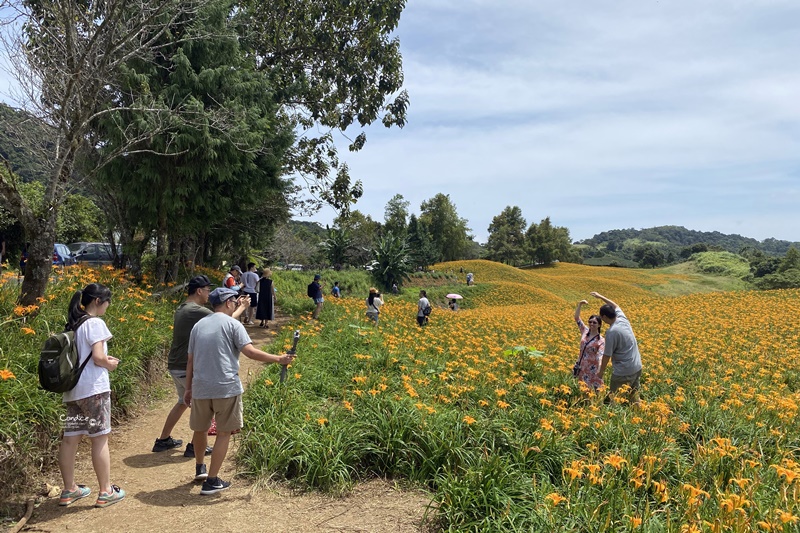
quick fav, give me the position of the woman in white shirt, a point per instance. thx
(89, 403)
(374, 304)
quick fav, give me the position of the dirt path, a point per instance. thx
(161, 495)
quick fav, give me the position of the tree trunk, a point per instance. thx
(42, 237)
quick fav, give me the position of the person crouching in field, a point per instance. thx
(587, 369)
(213, 387)
(89, 403)
(621, 349)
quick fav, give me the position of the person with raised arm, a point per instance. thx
(587, 369)
(621, 349)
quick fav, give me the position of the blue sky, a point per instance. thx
(602, 115)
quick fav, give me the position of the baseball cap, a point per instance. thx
(199, 281)
(316, 277)
(236, 268)
(220, 295)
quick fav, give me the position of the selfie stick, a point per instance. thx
(292, 351)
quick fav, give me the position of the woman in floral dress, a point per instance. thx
(587, 369)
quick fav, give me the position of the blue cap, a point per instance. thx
(220, 295)
(316, 277)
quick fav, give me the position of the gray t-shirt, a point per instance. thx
(215, 344)
(249, 281)
(622, 347)
(186, 316)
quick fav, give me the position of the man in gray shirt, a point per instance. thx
(213, 388)
(621, 349)
(186, 316)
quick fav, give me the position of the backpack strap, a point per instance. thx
(81, 321)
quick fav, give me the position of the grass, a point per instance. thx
(505, 440)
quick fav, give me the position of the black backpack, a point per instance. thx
(312, 290)
(58, 361)
(427, 310)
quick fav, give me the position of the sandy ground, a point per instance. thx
(162, 496)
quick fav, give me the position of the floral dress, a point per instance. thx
(592, 350)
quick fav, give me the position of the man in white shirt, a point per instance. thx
(423, 303)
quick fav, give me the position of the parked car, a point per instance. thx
(62, 255)
(92, 253)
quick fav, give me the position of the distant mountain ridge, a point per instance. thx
(672, 237)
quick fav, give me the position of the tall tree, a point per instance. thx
(420, 244)
(395, 218)
(507, 236)
(335, 63)
(546, 243)
(448, 231)
(67, 57)
(217, 166)
(364, 231)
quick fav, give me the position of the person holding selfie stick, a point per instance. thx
(213, 387)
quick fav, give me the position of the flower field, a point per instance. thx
(481, 409)
(30, 425)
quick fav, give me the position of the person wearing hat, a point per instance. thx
(186, 316)
(231, 279)
(374, 304)
(213, 387)
(316, 289)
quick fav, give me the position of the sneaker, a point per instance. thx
(214, 485)
(190, 450)
(200, 472)
(105, 499)
(68, 497)
(163, 445)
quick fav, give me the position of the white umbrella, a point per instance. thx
(453, 296)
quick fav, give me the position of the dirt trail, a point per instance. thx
(161, 493)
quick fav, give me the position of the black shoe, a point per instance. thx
(214, 485)
(163, 445)
(200, 472)
(190, 450)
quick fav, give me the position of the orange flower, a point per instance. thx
(7, 374)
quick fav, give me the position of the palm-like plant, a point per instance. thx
(393, 260)
(337, 246)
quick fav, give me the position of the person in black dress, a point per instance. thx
(266, 299)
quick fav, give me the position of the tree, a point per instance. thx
(395, 216)
(363, 233)
(546, 243)
(217, 165)
(67, 57)
(449, 232)
(507, 236)
(286, 247)
(790, 261)
(334, 63)
(393, 261)
(337, 246)
(649, 256)
(420, 243)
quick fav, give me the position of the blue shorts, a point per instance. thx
(319, 300)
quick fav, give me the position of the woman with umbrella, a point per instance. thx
(454, 301)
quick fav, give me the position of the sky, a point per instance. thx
(599, 114)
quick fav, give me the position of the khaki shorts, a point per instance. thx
(179, 378)
(617, 382)
(226, 411)
(88, 416)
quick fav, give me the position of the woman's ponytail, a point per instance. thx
(75, 312)
(79, 301)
